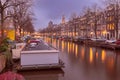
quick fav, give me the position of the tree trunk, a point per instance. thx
(23, 32)
(95, 31)
(15, 31)
(20, 32)
(116, 30)
(2, 28)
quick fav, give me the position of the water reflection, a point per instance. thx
(103, 56)
(82, 53)
(54, 74)
(91, 61)
(76, 50)
(91, 56)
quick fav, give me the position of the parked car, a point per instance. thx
(83, 39)
(118, 42)
(61, 37)
(34, 43)
(98, 39)
(110, 41)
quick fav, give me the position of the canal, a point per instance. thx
(82, 62)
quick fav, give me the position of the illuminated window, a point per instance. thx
(108, 27)
(113, 26)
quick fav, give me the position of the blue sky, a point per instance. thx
(52, 10)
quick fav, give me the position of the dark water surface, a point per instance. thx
(81, 63)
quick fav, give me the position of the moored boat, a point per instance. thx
(39, 55)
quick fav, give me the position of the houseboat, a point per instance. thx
(37, 54)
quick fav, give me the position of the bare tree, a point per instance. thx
(4, 5)
(20, 14)
(95, 17)
(86, 16)
(107, 2)
(5, 10)
(73, 15)
(115, 6)
(29, 26)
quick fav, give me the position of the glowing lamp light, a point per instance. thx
(105, 32)
(91, 33)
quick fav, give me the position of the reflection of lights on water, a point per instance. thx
(103, 56)
(62, 45)
(96, 55)
(73, 48)
(110, 63)
(82, 53)
(91, 55)
(65, 44)
(68, 47)
(76, 50)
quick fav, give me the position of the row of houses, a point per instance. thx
(100, 24)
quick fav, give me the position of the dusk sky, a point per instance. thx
(52, 10)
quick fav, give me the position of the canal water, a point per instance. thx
(82, 62)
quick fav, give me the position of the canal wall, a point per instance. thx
(2, 62)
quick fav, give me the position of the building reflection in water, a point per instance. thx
(63, 45)
(82, 53)
(91, 55)
(68, 47)
(76, 50)
(103, 60)
(96, 55)
(103, 56)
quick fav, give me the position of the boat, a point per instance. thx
(37, 54)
